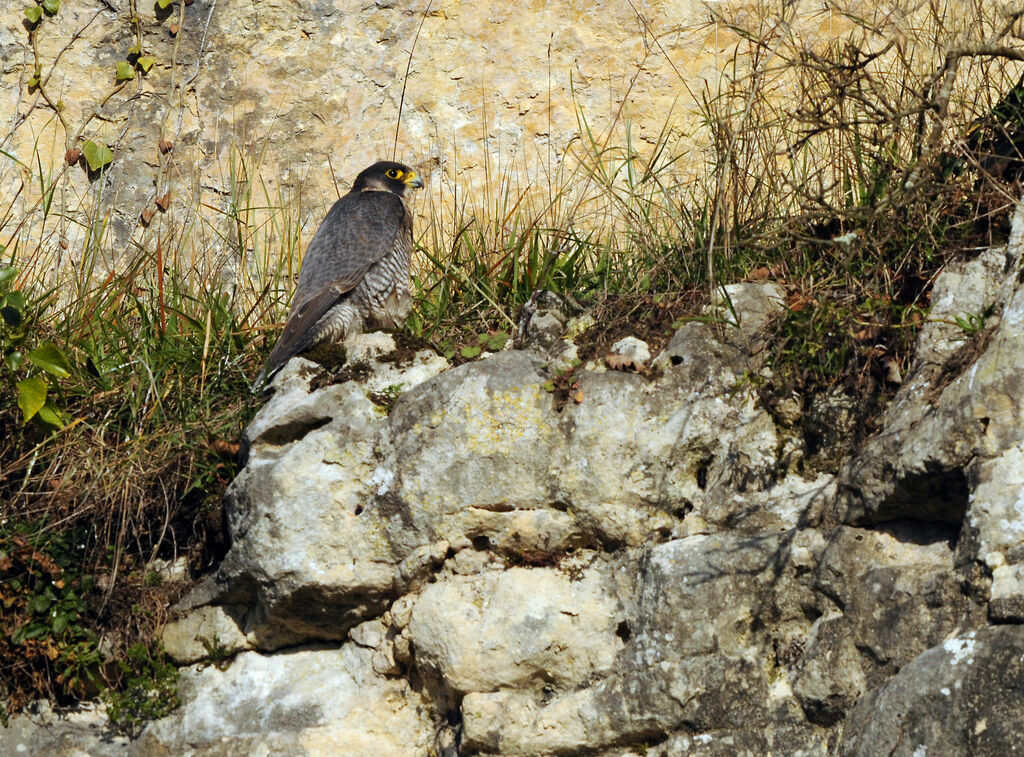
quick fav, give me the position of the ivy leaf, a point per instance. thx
(135, 49)
(8, 273)
(51, 6)
(33, 13)
(97, 155)
(31, 396)
(50, 359)
(50, 415)
(124, 71)
(164, 3)
(146, 62)
(13, 360)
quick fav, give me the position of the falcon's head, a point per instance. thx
(387, 176)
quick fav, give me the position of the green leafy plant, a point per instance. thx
(148, 690)
(31, 367)
(217, 653)
(973, 323)
(492, 341)
(46, 645)
(34, 13)
(563, 384)
(153, 578)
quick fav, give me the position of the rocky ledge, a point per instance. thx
(462, 561)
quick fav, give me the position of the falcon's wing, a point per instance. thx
(360, 230)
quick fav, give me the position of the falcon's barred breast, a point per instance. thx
(356, 269)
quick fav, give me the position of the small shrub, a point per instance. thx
(46, 646)
(148, 690)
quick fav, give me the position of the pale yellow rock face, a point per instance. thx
(300, 96)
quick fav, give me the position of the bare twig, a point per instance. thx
(940, 103)
(405, 79)
(202, 44)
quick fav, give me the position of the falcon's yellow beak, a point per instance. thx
(411, 179)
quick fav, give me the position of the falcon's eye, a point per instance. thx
(394, 173)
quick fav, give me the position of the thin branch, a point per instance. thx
(202, 45)
(405, 80)
(940, 104)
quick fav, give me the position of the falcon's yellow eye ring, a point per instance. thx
(394, 173)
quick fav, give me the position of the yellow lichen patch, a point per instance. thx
(505, 421)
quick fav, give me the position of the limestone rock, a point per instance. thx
(310, 702)
(542, 321)
(996, 514)
(521, 628)
(1007, 594)
(72, 733)
(206, 632)
(691, 657)
(949, 411)
(492, 541)
(964, 697)
(898, 596)
(748, 305)
(793, 741)
(521, 477)
(221, 90)
(656, 566)
(313, 452)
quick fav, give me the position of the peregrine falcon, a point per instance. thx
(356, 269)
